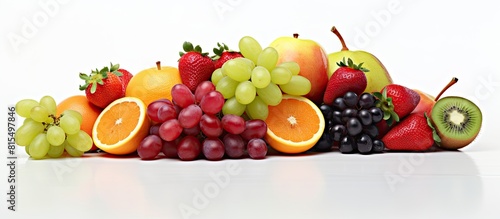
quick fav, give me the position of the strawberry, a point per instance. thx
(125, 78)
(222, 54)
(348, 77)
(194, 66)
(396, 101)
(103, 86)
(414, 133)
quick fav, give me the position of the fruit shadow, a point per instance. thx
(271, 152)
(103, 154)
(433, 149)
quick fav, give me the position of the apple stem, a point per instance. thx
(452, 82)
(158, 65)
(336, 32)
(295, 35)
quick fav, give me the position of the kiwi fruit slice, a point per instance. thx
(457, 121)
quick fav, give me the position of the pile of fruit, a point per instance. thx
(290, 96)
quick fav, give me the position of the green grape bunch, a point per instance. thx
(45, 134)
(255, 81)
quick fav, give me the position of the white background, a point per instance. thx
(423, 44)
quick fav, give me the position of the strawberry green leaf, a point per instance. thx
(217, 51)
(93, 87)
(390, 121)
(117, 73)
(187, 46)
(84, 76)
(378, 95)
(385, 104)
(114, 70)
(83, 87)
(435, 136)
(114, 67)
(351, 64)
(387, 115)
(96, 77)
(197, 48)
(394, 116)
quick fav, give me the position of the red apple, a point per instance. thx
(427, 101)
(311, 58)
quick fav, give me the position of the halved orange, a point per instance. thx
(121, 126)
(294, 125)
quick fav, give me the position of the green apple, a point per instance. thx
(311, 58)
(377, 77)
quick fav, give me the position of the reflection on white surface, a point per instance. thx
(409, 185)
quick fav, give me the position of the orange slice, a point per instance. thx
(295, 125)
(121, 126)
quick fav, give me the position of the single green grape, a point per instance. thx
(80, 141)
(250, 48)
(28, 120)
(27, 132)
(245, 92)
(69, 124)
(39, 147)
(55, 135)
(257, 109)
(298, 86)
(237, 69)
(232, 106)
(49, 103)
(281, 75)
(293, 67)
(71, 150)
(216, 76)
(73, 113)
(271, 95)
(268, 58)
(23, 107)
(260, 77)
(39, 113)
(249, 62)
(55, 151)
(226, 86)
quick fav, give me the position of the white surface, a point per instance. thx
(422, 43)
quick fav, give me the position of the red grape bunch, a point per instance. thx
(192, 126)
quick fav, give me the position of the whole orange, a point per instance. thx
(89, 112)
(153, 83)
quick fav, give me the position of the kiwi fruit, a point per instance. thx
(457, 121)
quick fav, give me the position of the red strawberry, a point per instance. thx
(103, 86)
(194, 66)
(397, 102)
(222, 54)
(414, 133)
(125, 78)
(349, 77)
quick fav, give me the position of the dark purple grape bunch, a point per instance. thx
(351, 125)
